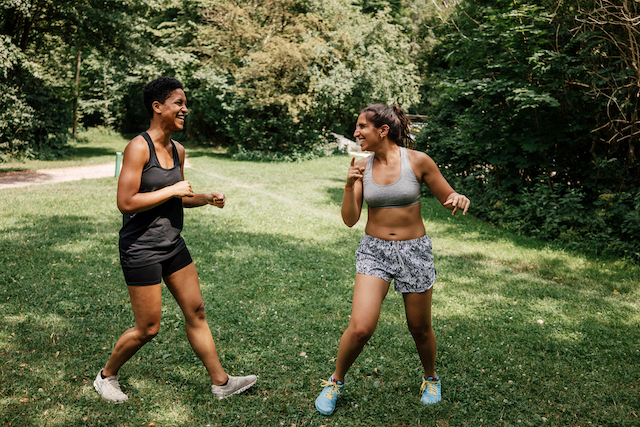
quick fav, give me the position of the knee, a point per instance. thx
(196, 313)
(149, 331)
(422, 332)
(361, 333)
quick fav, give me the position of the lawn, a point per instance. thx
(528, 334)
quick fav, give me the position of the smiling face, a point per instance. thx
(173, 111)
(367, 134)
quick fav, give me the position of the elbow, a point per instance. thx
(125, 211)
(124, 208)
(349, 222)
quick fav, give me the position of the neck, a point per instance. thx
(388, 151)
(159, 134)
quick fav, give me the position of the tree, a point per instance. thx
(50, 35)
(535, 116)
(612, 39)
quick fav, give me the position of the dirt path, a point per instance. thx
(51, 176)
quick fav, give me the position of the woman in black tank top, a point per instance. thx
(151, 195)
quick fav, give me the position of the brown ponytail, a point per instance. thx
(398, 122)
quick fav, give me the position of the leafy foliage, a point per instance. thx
(33, 122)
(511, 118)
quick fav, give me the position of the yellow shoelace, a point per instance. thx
(334, 389)
(431, 386)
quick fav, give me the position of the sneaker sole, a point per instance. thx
(116, 402)
(324, 413)
(240, 390)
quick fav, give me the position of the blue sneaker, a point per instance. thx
(326, 402)
(431, 391)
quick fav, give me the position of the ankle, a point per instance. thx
(220, 382)
(104, 373)
(336, 379)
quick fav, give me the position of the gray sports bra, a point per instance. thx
(404, 192)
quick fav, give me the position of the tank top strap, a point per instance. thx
(153, 158)
(176, 156)
(403, 155)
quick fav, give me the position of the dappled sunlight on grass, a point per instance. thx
(524, 330)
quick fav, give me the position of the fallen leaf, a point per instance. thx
(303, 354)
(616, 292)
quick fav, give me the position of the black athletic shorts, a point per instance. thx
(152, 274)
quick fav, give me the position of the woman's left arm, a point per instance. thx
(428, 171)
(216, 199)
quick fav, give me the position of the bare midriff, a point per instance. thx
(395, 223)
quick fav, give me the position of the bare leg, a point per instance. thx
(368, 294)
(146, 302)
(418, 311)
(185, 287)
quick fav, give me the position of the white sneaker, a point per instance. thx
(109, 388)
(234, 385)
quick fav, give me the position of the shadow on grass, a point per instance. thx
(208, 152)
(87, 151)
(276, 305)
(65, 303)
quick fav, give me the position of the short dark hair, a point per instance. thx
(395, 118)
(159, 90)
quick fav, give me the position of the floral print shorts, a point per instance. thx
(409, 263)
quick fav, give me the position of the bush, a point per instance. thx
(36, 118)
(510, 124)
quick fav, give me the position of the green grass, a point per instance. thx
(528, 334)
(94, 146)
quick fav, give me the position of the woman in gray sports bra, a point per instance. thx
(395, 246)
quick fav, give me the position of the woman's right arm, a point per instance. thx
(136, 155)
(352, 197)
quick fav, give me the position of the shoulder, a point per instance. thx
(137, 146)
(420, 159)
(363, 161)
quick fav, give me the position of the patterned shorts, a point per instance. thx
(408, 262)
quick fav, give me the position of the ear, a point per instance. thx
(156, 107)
(384, 131)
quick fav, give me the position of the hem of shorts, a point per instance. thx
(181, 267)
(139, 285)
(412, 292)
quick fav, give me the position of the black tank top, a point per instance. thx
(153, 236)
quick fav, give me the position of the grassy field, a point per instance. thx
(528, 334)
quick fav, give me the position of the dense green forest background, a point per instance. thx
(531, 105)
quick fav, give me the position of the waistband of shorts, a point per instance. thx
(408, 241)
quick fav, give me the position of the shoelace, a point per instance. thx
(431, 386)
(334, 389)
(112, 382)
